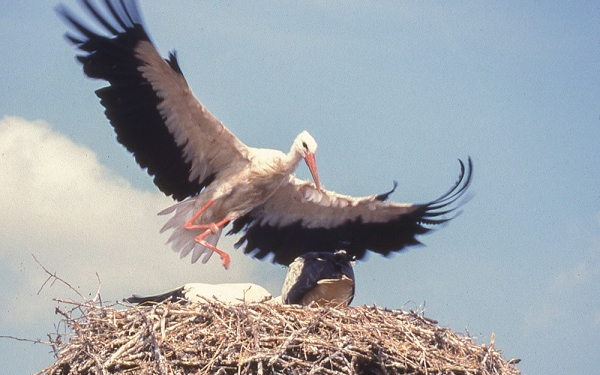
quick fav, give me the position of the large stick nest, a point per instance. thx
(217, 338)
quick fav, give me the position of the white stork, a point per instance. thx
(322, 278)
(234, 294)
(218, 179)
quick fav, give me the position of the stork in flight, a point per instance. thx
(216, 178)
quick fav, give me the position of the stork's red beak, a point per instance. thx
(312, 166)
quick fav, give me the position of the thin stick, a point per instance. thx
(36, 341)
(52, 276)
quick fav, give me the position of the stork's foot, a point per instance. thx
(214, 228)
(210, 228)
(225, 259)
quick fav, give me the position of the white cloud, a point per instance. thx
(78, 218)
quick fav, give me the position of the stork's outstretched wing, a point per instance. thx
(298, 219)
(149, 103)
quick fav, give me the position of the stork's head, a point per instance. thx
(306, 145)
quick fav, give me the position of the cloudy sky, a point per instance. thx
(390, 92)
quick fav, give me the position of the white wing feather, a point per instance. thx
(300, 201)
(205, 141)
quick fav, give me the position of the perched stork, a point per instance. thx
(323, 278)
(218, 179)
(234, 294)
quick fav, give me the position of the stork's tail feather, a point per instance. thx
(183, 240)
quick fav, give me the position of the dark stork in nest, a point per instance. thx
(322, 278)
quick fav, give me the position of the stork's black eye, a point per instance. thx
(305, 145)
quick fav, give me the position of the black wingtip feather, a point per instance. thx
(118, 16)
(99, 17)
(383, 197)
(356, 237)
(131, 103)
(174, 63)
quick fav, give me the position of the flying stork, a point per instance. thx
(215, 177)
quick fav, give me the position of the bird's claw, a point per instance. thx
(225, 260)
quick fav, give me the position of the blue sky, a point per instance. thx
(391, 92)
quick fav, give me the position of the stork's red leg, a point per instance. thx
(214, 228)
(190, 223)
(210, 228)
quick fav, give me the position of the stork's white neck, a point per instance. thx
(304, 147)
(293, 158)
(274, 161)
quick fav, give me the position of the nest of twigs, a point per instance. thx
(217, 338)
